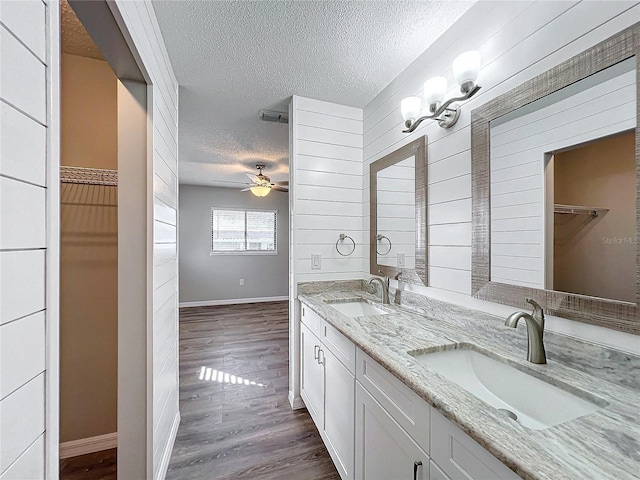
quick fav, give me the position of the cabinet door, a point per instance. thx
(339, 412)
(311, 375)
(384, 451)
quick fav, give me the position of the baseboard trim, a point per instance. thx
(83, 446)
(168, 448)
(296, 402)
(232, 301)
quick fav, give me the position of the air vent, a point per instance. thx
(271, 116)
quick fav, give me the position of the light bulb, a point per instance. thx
(466, 67)
(260, 190)
(410, 108)
(434, 90)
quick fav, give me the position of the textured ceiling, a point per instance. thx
(75, 39)
(233, 58)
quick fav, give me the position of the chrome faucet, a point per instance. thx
(384, 286)
(535, 331)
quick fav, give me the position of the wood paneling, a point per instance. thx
(22, 224)
(22, 284)
(21, 420)
(94, 466)
(140, 19)
(21, 346)
(24, 146)
(29, 96)
(327, 173)
(30, 465)
(236, 420)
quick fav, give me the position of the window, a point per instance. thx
(243, 231)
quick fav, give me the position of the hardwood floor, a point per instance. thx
(236, 419)
(93, 466)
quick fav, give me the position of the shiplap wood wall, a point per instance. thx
(517, 40)
(24, 117)
(141, 22)
(518, 148)
(326, 170)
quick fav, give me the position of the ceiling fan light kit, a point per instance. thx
(261, 185)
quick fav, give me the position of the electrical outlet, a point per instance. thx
(242, 282)
(316, 261)
(401, 259)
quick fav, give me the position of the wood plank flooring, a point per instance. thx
(236, 419)
(93, 466)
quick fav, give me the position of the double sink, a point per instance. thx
(524, 395)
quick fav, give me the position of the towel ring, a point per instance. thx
(379, 237)
(341, 238)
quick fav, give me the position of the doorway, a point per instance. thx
(103, 243)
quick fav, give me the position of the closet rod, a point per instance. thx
(89, 176)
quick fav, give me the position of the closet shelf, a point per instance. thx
(578, 210)
(89, 176)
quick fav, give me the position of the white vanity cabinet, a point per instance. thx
(327, 386)
(373, 425)
(384, 451)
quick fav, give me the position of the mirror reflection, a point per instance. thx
(398, 214)
(563, 189)
(395, 238)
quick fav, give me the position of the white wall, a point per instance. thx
(517, 40)
(325, 200)
(28, 317)
(162, 328)
(518, 148)
(207, 279)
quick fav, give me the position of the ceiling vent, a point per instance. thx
(271, 116)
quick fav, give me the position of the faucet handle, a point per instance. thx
(538, 312)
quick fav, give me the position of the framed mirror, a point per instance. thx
(556, 197)
(398, 213)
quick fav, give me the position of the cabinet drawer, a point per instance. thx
(340, 346)
(403, 405)
(311, 319)
(460, 457)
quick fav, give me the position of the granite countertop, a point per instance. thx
(601, 445)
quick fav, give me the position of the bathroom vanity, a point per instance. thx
(384, 414)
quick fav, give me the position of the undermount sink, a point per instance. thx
(524, 398)
(357, 309)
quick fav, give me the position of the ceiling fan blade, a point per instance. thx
(245, 189)
(282, 184)
(253, 178)
(279, 188)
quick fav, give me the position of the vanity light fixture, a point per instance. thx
(465, 70)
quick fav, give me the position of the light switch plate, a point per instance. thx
(316, 261)
(401, 259)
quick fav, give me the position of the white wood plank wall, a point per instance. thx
(24, 120)
(326, 171)
(517, 40)
(140, 20)
(518, 148)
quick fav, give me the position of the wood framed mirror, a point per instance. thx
(398, 213)
(530, 147)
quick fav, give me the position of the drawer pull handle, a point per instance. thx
(316, 351)
(321, 362)
(416, 464)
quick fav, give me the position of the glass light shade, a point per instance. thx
(260, 191)
(410, 108)
(466, 67)
(434, 90)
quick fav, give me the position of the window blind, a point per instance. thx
(243, 230)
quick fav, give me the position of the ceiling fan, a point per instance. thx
(261, 185)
